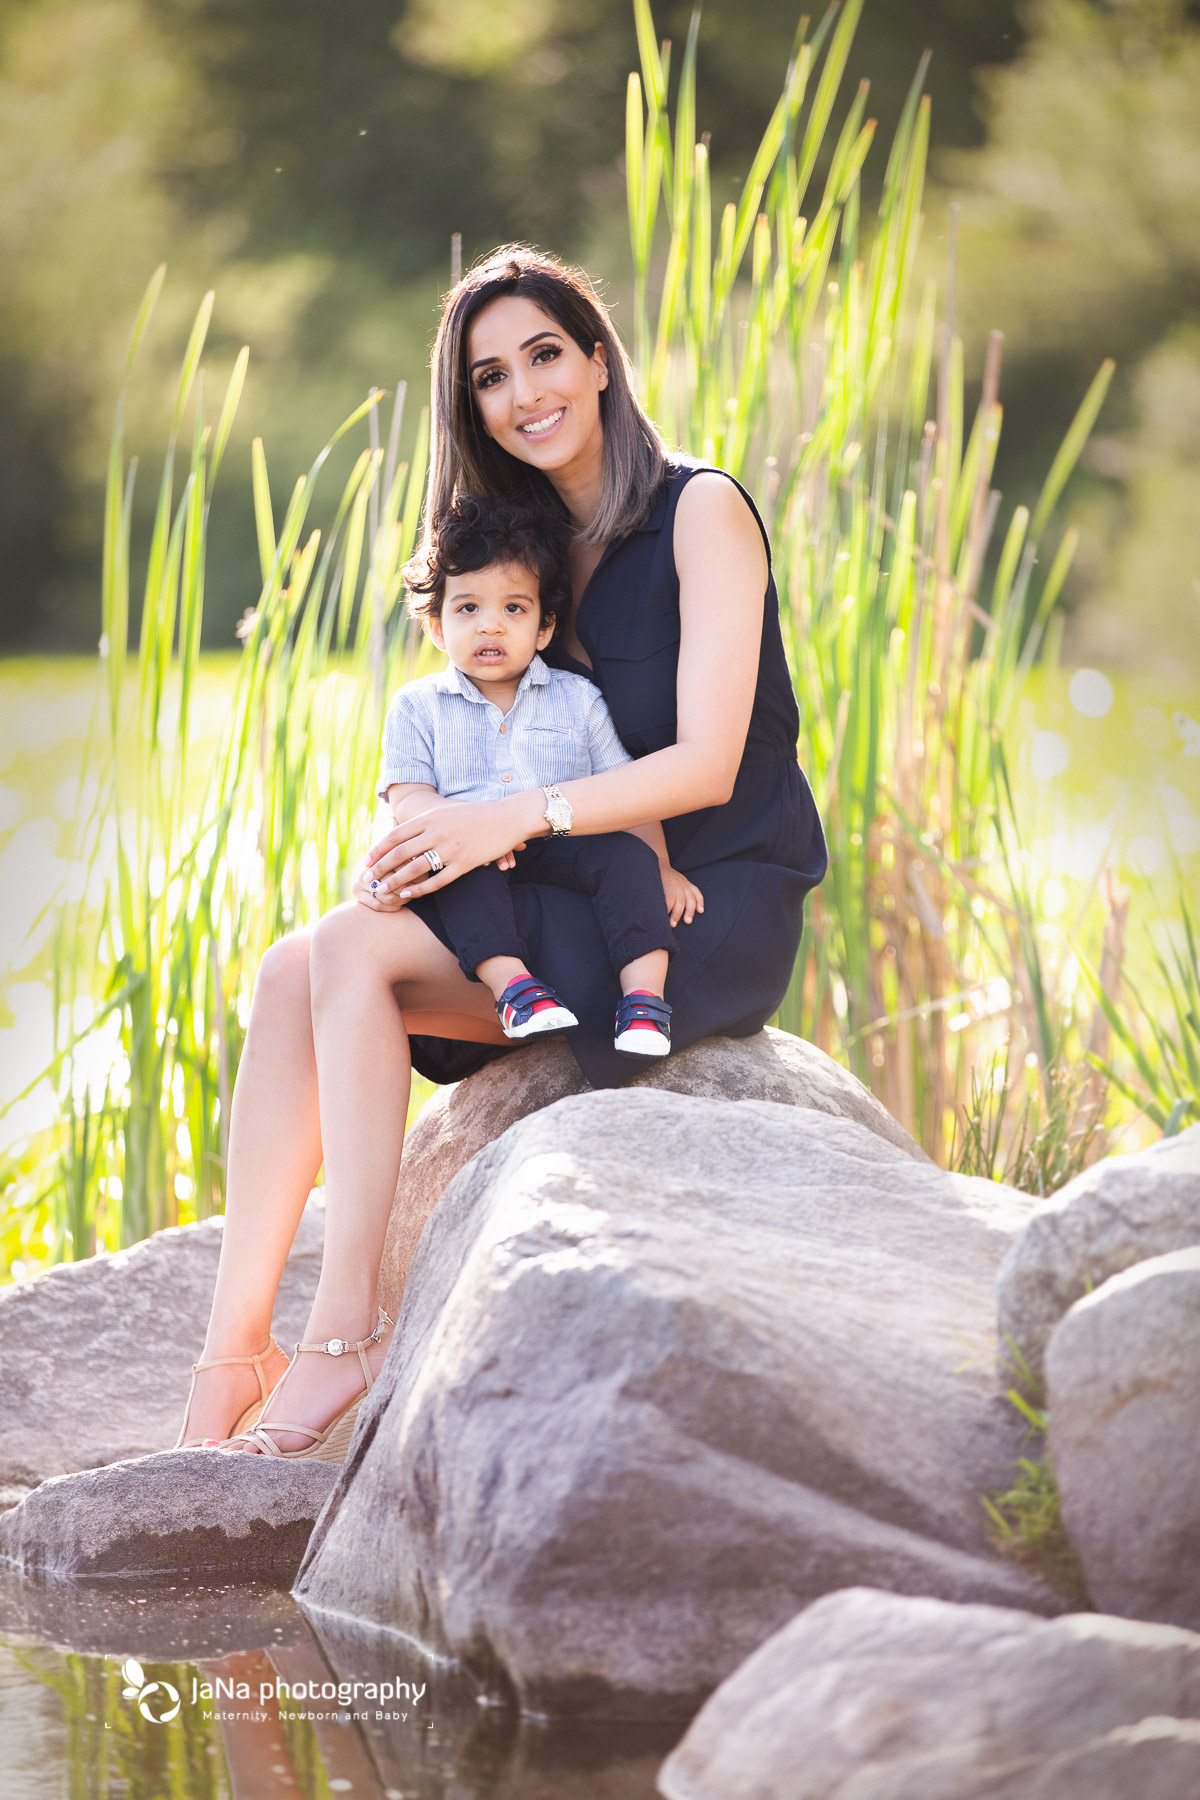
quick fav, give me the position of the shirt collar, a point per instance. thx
(453, 681)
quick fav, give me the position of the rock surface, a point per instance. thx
(95, 1356)
(1123, 1380)
(869, 1696)
(1117, 1213)
(159, 1518)
(668, 1369)
(458, 1121)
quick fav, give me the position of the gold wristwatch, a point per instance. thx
(559, 814)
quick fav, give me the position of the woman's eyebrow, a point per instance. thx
(482, 361)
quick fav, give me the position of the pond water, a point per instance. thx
(234, 1693)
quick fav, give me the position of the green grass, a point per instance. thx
(1025, 1519)
(1164, 1079)
(788, 339)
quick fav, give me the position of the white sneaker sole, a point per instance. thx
(552, 1019)
(640, 1042)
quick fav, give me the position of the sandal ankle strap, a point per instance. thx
(343, 1347)
(258, 1434)
(217, 1362)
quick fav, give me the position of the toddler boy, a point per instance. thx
(491, 588)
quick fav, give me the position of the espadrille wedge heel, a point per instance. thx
(251, 1413)
(333, 1443)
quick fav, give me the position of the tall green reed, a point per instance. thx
(788, 341)
(193, 872)
(1162, 1077)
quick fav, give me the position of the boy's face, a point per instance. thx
(491, 623)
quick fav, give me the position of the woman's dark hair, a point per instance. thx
(476, 533)
(466, 460)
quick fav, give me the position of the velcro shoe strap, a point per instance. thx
(642, 1006)
(524, 993)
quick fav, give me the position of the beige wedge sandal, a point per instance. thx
(332, 1444)
(251, 1413)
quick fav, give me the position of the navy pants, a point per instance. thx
(617, 870)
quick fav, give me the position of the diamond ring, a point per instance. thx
(436, 865)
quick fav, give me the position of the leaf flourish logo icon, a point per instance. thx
(157, 1701)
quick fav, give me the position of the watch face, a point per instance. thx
(560, 813)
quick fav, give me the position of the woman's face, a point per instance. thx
(538, 394)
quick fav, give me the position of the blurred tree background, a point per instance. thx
(309, 160)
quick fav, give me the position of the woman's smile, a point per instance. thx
(542, 427)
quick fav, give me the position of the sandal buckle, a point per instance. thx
(336, 1347)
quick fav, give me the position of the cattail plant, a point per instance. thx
(789, 341)
(192, 890)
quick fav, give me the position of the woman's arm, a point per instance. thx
(722, 567)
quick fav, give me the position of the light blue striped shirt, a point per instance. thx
(443, 732)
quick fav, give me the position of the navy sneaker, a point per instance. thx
(526, 1008)
(643, 1025)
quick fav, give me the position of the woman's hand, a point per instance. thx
(464, 834)
(379, 901)
(683, 897)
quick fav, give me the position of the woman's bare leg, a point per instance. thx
(274, 1156)
(360, 962)
(275, 1153)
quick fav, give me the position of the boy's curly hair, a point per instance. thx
(477, 533)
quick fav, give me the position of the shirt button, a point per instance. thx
(506, 778)
(503, 729)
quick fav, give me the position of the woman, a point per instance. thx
(676, 620)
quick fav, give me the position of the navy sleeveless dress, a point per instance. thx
(754, 859)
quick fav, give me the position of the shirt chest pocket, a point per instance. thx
(552, 753)
(640, 661)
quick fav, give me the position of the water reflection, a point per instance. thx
(235, 1694)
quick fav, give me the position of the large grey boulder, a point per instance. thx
(183, 1514)
(95, 1356)
(1123, 1380)
(870, 1696)
(667, 1369)
(1117, 1213)
(458, 1121)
